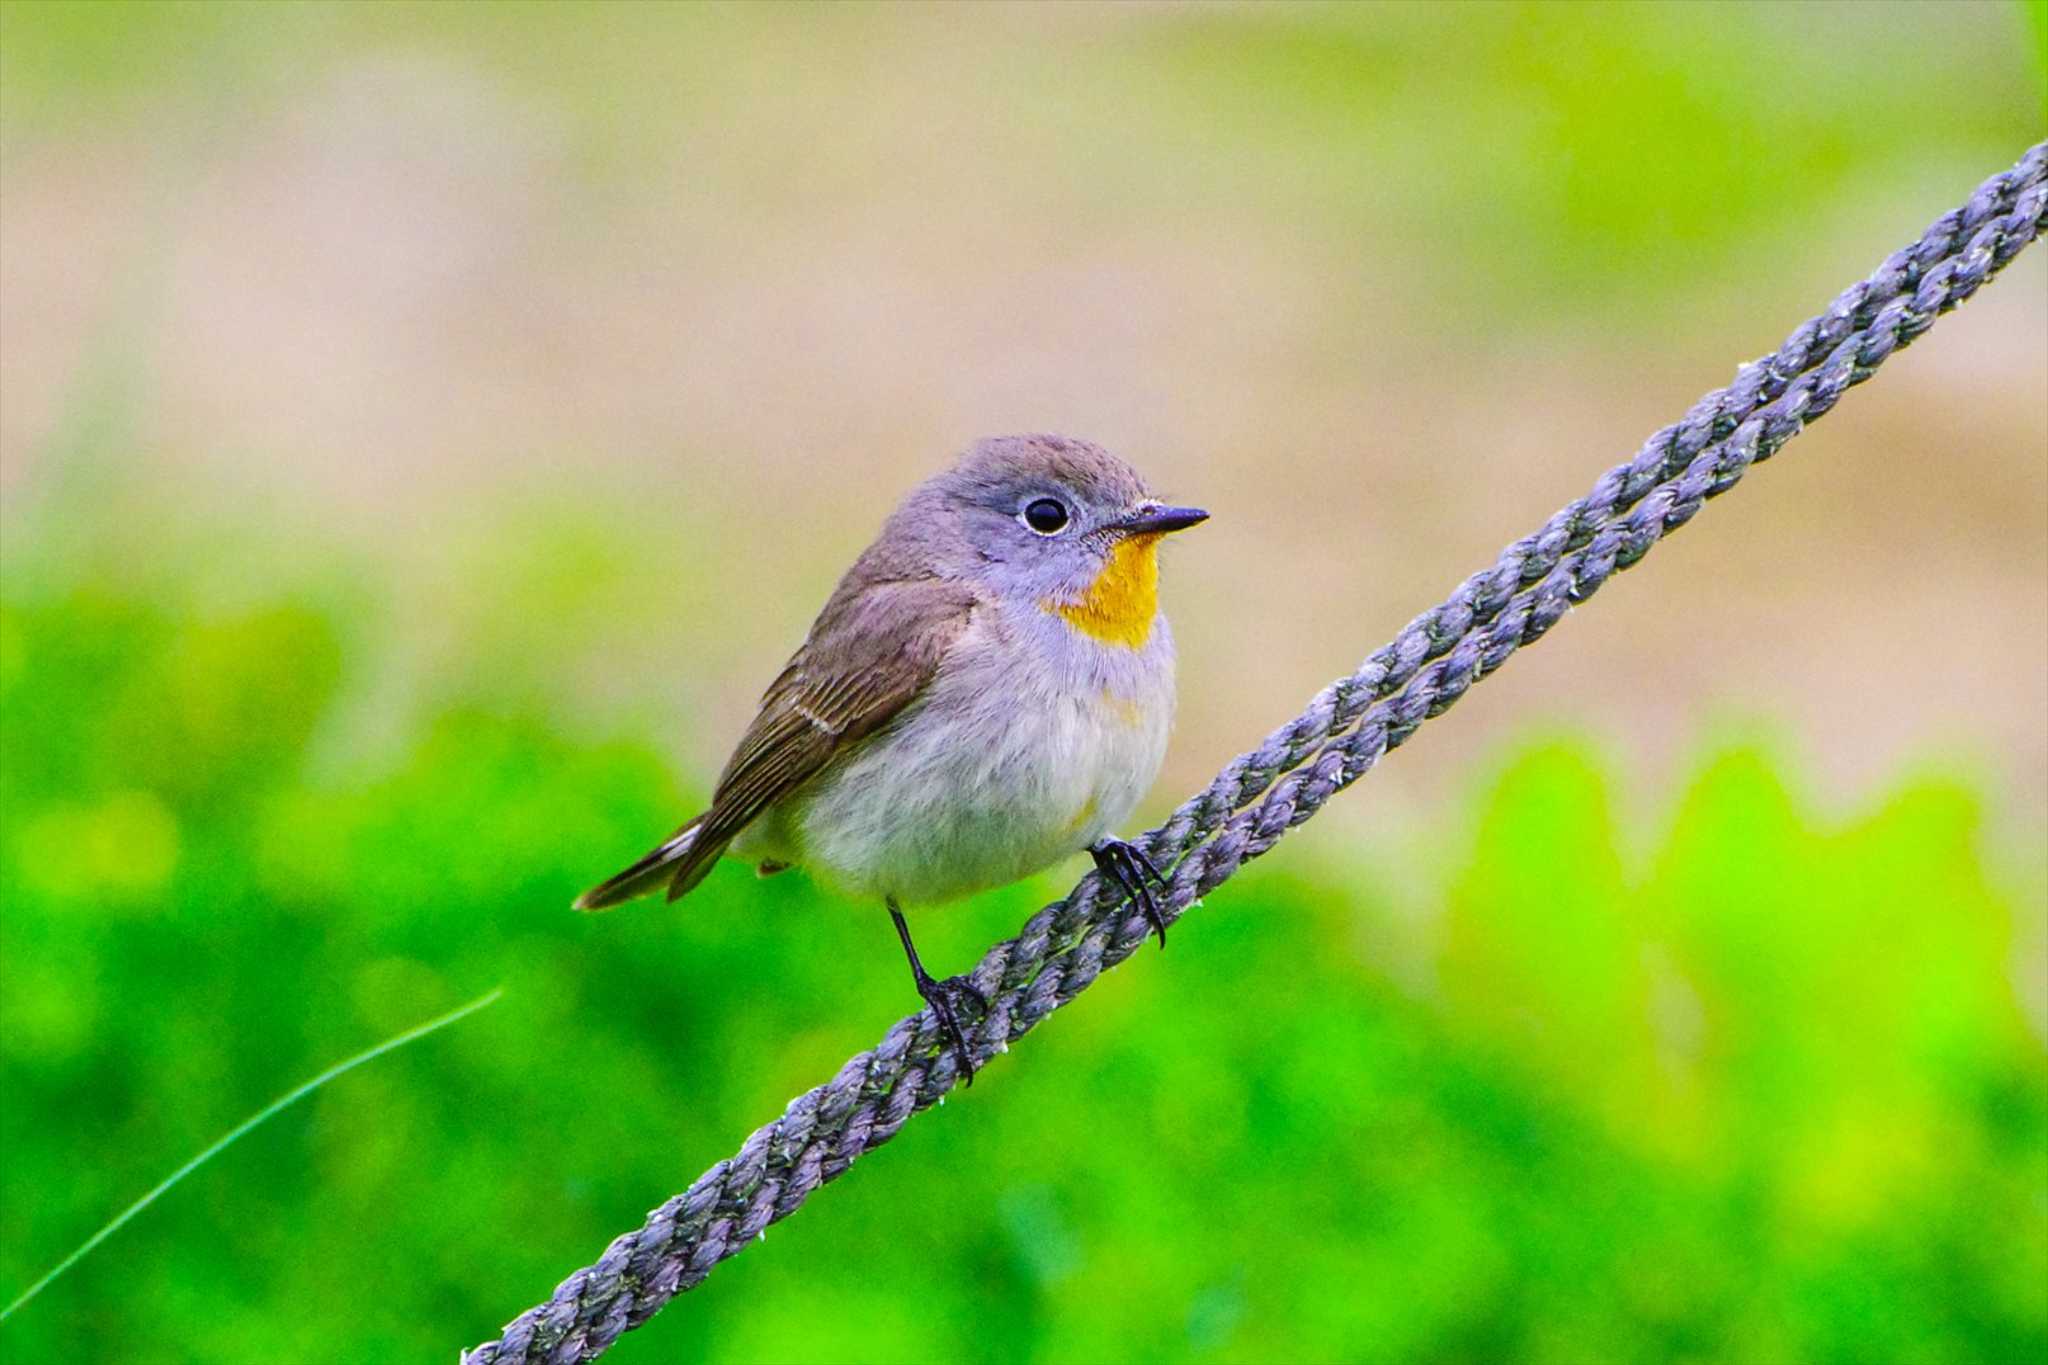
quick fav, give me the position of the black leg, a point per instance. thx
(942, 996)
(1127, 867)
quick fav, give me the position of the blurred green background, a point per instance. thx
(425, 427)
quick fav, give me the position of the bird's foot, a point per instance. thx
(947, 998)
(1126, 866)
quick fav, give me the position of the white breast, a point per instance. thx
(1031, 744)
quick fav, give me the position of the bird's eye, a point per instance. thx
(1047, 516)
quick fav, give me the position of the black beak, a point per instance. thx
(1159, 520)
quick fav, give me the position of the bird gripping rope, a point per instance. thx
(1262, 794)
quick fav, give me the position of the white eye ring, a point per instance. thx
(1045, 516)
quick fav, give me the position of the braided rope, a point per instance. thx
(1262, 794)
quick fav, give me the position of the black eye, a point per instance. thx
(1047, 516)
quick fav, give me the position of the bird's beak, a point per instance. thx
(1154, 519)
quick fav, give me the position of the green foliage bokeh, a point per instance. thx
(1763, 1092)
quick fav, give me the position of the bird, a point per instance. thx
(987, 691)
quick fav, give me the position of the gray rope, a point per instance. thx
(1262, 794)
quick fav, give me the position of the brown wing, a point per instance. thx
(871, 652)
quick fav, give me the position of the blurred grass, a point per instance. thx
(1762, 1091)
(1574, 115)
(1345, 109)
(1709, 1077)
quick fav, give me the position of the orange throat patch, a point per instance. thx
(1120, 604)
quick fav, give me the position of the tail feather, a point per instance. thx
(646, 876)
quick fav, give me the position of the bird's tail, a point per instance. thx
(679, 863)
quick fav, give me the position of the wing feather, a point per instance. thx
(871, 653)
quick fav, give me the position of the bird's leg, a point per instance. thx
(1126, 867)
(940, 995)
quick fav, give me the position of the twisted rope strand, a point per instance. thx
(1265, 792)
(1481, 597)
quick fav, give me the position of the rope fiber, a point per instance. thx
(1262, 794)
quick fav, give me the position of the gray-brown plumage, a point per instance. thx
(871, 651)
(988, 690)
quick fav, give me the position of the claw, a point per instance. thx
(1126, 865)
(939, 995)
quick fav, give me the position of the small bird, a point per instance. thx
(988, 691)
